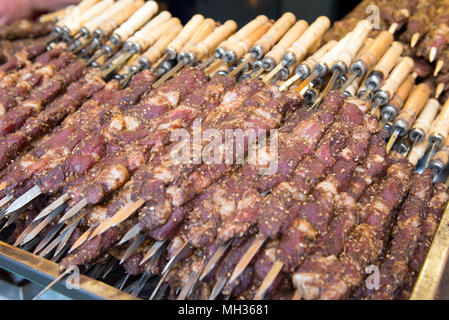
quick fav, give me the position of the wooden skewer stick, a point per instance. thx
(369, 56)
(73, 25)
(299, 49)
(274, 56)
(415, 103)
(439, 131)
(343, 58)
(206, 28)
(383, 68)
(421, 126)
(175, 47)
(138, 43)
(305, 68)
(265, 42)
(394, 106)
(57, 15)
(391, 85)
(113, 45)
(79, 10)
(247, 257)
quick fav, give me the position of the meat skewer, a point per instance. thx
(332, 242)
(198, 233)
(196, 263)
(296, 241)
(40, 97)
(437, 205)
(418, 24)
(23, 88)
(50, 185)
(25, 29)
(404, 238)
(185, 89)
(220, 36)
(20, 202)
(230, 190)
(270, 227)
(365, 241)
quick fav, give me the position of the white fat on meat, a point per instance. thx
(305, 227)
(172, 97)
(114, 176)
(176, 195)
(164, 174)
(97, 215)
(131, 123)
(223, 205)
(32, 104)
(327, 186)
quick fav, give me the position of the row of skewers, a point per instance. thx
(88, 171)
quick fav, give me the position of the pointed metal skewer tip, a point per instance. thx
(74, 210)
(51, 284)
(214, 260)
(219, 285)
(269, 279)
(53, 206)
(154, 250)
(247, 257)
(133, 247)
(134, 231)
(24, 199)
(121, 215)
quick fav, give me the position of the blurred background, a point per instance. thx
(244, 10)
(240, 10)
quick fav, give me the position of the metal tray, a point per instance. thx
(42, 271)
